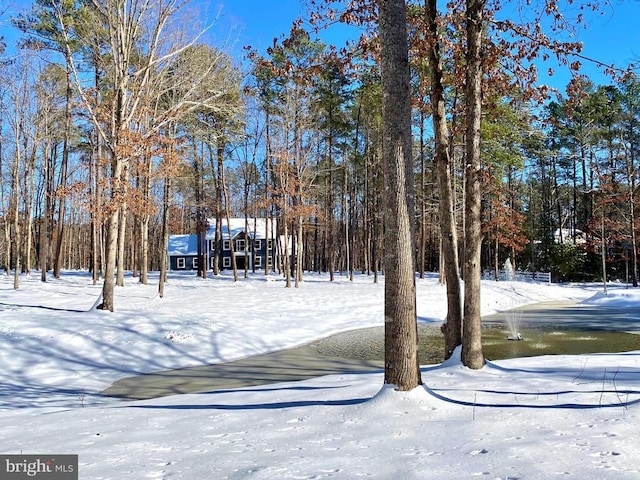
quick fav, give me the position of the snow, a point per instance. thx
(529, 418)
(183, 245)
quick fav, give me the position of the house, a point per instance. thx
(253, 247)
(566, 236)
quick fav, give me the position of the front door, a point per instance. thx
(242, 261)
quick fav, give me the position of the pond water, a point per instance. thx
(539, 339)
(548, 329)
(544, 339)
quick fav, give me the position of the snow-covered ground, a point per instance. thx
(532, 418)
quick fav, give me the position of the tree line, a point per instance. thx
(121, 125)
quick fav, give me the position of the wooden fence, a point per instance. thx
(543, 277)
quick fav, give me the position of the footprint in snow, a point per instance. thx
(478, 451)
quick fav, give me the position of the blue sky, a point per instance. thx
(611, 36)
(258, 22)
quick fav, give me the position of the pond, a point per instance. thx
(547, 329)
(539, 339)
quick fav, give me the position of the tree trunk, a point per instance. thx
(118, 190)
(472, 355)
(110, 261)
(248, 240)
(330, 254)
(122, 231)
(17, 250)
(165, 237)
(401, 335)
(217, 240)
(45, 229)
(43, 240)
(144, 221)
(5, 204)
(496, 258)
(97, 214)
(603, 253)
(29, 189)
(15, 200)
(345, 220)
(367, 219)
(632, 217)
(198, 184)
(423, 201)
(452, 328)
(216, 170)
(227, 208)
(63, 171)
(95, 193)
(144, 249)
(299, 251)
(267, 178)
(286, 259)
(634, 244)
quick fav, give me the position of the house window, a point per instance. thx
(212, 244)
(212, 262)
(180, 262)
(226, 262)
(257, 244)
(269, 261)
(194, 263)
(270, 244)
(257, 261)
(240, 245)
(226, 244)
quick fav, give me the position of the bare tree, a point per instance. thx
(46, 124)
(4, 198)
(401, 342)
(452, 328)
(472, 355)
(43, 34)
(20, 121)
(168, 169)
(145, 42)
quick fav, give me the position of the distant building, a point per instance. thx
(566, 236)
(253, 247)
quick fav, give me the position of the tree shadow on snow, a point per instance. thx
(259, 406)
(42, 307)
(601, 387)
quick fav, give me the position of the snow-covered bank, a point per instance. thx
(524, 418)
(55, 348)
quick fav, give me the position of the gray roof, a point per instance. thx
(187, 245)
(183, 245)
(257, 227)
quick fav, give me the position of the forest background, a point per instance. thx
(118, 130)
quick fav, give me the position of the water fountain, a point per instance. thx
(513, 316)
(508, 271)
(514, 320)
